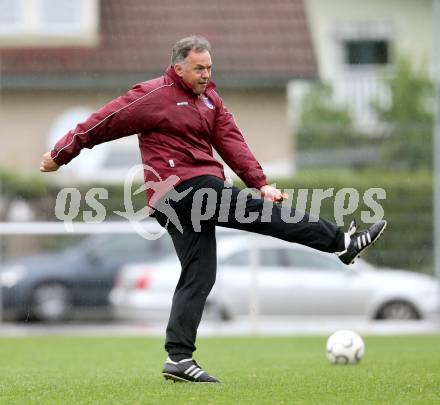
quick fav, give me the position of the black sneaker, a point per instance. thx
(360, 241)
(186, 370)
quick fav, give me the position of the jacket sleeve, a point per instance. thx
(127, 115)
(229, 142)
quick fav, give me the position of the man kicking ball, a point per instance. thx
(180, 119)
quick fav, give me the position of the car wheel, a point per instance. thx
(398, 310)
(51, 302)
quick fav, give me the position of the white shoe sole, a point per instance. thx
(174, 378)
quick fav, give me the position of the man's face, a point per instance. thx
(195, 70)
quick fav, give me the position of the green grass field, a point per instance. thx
(96, 370)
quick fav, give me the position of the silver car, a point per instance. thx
(273, 277)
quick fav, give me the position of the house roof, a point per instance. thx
(255, 43)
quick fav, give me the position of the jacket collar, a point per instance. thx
(182, 84)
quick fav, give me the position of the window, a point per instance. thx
(364, 45)
(271, 257)
(267, 258)
(310, 260)
(367, 52)
(11, 16)
(237, 259)
(60, 16)
(46, 22)
(130, 246)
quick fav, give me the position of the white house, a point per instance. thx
(358, 42)
(62, 59)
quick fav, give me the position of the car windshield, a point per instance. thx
(311, 260)
(284, 257)
(117, 245)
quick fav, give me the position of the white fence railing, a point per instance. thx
(357, 94)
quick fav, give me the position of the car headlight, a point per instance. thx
(10, 276)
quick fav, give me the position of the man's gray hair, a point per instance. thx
(182, 48)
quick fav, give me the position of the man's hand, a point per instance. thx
(272, 193)
(48, 164)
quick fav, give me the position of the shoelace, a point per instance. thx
(352, 228)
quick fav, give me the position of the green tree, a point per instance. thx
(408, 116)
(324, 124)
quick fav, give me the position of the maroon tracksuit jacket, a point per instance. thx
(177, 130)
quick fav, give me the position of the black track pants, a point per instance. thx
(209, 204)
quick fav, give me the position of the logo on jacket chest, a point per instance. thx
(207, 102)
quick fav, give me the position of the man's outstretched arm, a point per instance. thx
(129, 114)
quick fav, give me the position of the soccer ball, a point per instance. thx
(345, 347)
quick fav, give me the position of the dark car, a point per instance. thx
(76, 281)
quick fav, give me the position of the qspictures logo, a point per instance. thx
(207, 205)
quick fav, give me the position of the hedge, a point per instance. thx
(408, 241)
